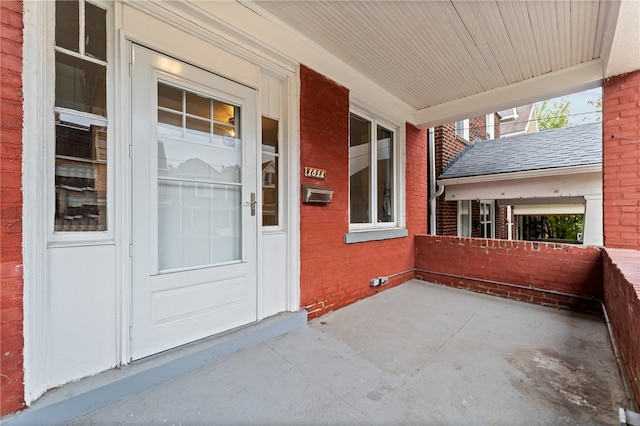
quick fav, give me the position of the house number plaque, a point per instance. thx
(312, 172)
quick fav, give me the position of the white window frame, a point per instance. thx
(492, 218)
(462, 129)
(371, 231)
(48, 108)
(461, 212)
(373, 164)
(490, 126)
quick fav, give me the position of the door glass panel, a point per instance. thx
(199, 187)
(198, 105)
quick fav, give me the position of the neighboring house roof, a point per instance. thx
(523, 122)
(549, 149)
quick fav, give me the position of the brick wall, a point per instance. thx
(11, 311)
(621, 161)
(334, 274)
(622, 300)
(448, 146)
(471, 262)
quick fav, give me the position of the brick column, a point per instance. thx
(11, 278)
(621, 161)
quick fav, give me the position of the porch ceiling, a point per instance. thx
(440, 56)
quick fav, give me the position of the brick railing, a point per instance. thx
(562, 275)
(622, 301)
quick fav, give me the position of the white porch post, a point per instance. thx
(593, 230)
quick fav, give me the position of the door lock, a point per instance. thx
(252, 203)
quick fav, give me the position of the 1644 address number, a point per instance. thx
(315, 173)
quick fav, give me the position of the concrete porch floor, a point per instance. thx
(418, 353)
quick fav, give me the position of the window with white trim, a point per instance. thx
(462, 129)
(487, 219)
(464, 218)
(80, 114)
(372, 172)
(270, 167)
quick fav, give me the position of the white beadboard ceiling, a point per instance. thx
(433, 52)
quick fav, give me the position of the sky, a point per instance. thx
(579, 110)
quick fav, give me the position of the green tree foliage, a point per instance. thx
(564, 227)
(597, 105)
(553, 116)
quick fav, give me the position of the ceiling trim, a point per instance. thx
(584, 76)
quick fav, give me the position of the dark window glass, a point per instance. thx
(270, 179)
(67, 25)
(80, 85)
(80, 175)
(359, 169)
(95, 31)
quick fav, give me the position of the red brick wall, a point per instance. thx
(447, 148)
(470, 262)
(622, 300)
(11, 312)
(621, 161)
(334, 274)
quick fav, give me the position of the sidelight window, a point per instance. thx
(80, 114)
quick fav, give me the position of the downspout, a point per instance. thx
(434, 191)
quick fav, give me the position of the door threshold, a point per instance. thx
(89, 394)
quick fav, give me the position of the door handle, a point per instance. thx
(252, 203)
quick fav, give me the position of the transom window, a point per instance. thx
(372, 152)
(80, 114)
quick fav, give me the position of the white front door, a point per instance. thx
(194, 226)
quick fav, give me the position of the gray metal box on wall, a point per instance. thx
(316, 194)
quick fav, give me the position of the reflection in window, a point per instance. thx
(359, 166)
(80, 115)
(199, 180)
(372, 172)
(270, 181)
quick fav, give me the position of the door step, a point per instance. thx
(79, 398)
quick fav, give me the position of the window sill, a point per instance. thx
(374, 235)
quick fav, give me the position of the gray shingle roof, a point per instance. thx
(549, 149)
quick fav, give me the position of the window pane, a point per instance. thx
(198, 105)
(224, 113)
(384, 184)
(80, 174)
(67, 25)
(359, 169)
(169, 124)
(269, 135)
(169, 97)
(270, 178)
(80, 85)
(199, 188)
(95, 31)
(198, 130)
